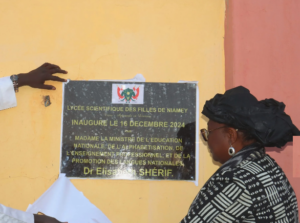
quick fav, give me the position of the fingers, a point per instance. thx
(46, 87)
(55, 78)
(54, 68)
(46, 65)
(49, 65)
(58, 71)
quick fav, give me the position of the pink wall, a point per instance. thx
(262, 53)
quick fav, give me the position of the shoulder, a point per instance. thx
(248, 172)
(256, 171)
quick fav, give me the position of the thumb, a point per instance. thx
(47, 87)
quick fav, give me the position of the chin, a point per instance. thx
(213, 157)
(216, 159)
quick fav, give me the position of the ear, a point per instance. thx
(232, 135)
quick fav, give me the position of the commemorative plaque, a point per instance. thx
(125, 130)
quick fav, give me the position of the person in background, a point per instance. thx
(249, 186)
(8, 87)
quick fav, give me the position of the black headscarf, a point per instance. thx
(265, 119)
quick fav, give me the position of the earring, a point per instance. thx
(231, 150)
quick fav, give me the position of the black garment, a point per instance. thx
(265, 119)
(249, 187)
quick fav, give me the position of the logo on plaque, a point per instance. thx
(127, 94)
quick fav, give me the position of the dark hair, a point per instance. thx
(247, 136)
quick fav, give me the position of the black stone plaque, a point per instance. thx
(125, 130)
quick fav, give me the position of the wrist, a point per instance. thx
(22, 80)
(37, 218)
(15, 81)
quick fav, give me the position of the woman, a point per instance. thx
(249, 186)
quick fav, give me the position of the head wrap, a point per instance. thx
(265, 119)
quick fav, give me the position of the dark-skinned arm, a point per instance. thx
(37, 78)
(45, 219)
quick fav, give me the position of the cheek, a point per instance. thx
(217, 146)
(214, 142)
(213, 146)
